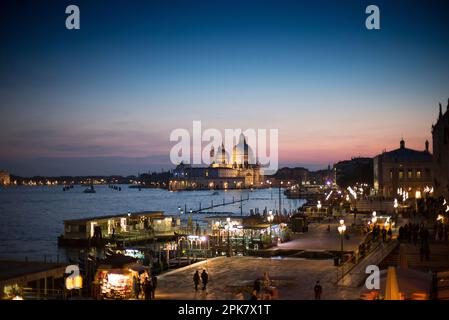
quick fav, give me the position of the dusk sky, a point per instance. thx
(104, 99)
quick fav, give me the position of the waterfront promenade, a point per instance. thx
(232, 278)
(319, 239)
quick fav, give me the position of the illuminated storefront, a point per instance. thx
(120, 277)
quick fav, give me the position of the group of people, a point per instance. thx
(411, 233)
(441, 231)
(382, 233)
(203, 278)
(263, 289)
(145, 288)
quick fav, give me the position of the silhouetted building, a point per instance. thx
(403, 172)
(321, 177)
(354, 171)
(440, 137)
(297, 175)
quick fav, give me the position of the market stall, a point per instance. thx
(120, 277)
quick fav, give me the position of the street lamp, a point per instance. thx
(395, 206)
(228, 228)
(341, 230)
(280, 201)
(270, 220)
(318, 205)
(374, 218)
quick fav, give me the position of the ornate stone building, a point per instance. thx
(4, 178)
(237, 171)
(403, 172)
(440, 137)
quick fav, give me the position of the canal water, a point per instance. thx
(31, 218)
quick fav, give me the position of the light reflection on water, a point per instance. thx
(31, 218)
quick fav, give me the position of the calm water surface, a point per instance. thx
(31, 218)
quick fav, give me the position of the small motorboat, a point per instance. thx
(90, 190)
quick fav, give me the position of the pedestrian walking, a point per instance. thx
(196, 279)
(318, 290)
(204, 279)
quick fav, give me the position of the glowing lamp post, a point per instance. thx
(318, 206)
(374, 218)
(395, 206)
(270, 220)
(280, 200)
(228, 227)
(341, 231)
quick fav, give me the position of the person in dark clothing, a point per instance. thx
(440, 232)
(204, 279)
(153, 289)
(318, 290)
(384, 234)
(390, 233)
(148, 289)
(256, 286)
(136, 287)
(415, 236)
(253, 296)
(196, 280)
(422, 252)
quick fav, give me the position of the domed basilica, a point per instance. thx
(238, 170)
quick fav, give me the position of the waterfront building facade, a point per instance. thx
(236, 171)
(5, 178)
(403, 172)
(440, 138)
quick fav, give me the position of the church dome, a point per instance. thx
(242, 153)
(221, 156)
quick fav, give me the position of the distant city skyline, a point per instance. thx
(103, 100)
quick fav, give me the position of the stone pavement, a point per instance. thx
(317, 238)
(233, 278)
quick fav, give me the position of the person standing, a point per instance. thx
(136, 286)
(153, 291)
(204, 279)
(148, 289)
(256, 286)
(318, 290)
(384, 234)
(196, 279)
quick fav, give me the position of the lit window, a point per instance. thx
(401, 174)
(410, 174)
(418, 174)
(391, 174)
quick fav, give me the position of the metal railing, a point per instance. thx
(354, 269)
(43, 294)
